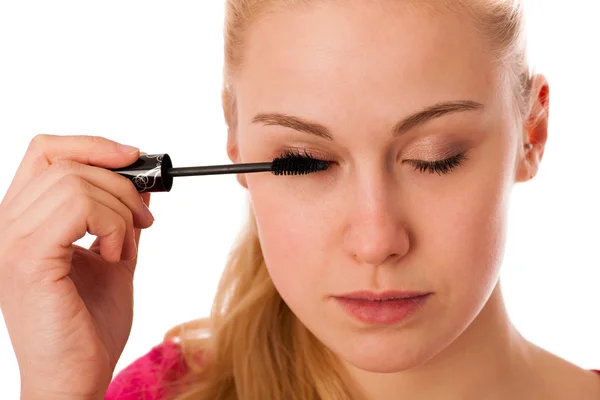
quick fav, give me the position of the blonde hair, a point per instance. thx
(254, 346)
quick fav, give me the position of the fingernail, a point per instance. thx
(128, 149)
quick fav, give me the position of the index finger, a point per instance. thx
(45, 149)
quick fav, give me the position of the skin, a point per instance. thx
(374, 222)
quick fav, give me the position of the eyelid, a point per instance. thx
(442, 166)
(435, 150)
(309, 152)
(450, 152)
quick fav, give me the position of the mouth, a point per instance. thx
(385, 308)
(383, 296)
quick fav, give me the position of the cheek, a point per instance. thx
(466, 235)
(475, 239)
(292, 235)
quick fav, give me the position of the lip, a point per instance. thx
(387, 295)
(385, 308)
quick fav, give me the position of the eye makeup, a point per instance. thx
(440, 167)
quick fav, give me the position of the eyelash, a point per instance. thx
(440, 167)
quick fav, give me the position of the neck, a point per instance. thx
(483, 362)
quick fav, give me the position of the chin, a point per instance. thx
(385, 355)
(384, 362)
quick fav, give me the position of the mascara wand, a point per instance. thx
(155, 172)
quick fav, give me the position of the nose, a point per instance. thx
(375, 233)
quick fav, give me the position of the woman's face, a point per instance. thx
(390, 89)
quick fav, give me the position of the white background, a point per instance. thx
(149, 74)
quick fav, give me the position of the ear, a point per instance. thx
(535, 132)
(234, 154)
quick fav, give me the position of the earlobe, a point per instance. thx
(526, 170)
(232, 150)
(234, 155)
(241, 178)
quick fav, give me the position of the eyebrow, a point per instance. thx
(417, 119)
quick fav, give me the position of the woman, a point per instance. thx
(375, 279)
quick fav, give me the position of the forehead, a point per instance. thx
(354, 55)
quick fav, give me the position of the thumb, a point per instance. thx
(146, 199)
(137, 232)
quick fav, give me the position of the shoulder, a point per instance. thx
(149, 376)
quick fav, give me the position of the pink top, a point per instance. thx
(148, 376)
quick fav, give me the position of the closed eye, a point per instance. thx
(440, 167)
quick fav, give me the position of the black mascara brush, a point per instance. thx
(155, 172)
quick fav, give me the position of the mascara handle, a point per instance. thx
(149, 173)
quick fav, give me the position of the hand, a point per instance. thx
(68, 309)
